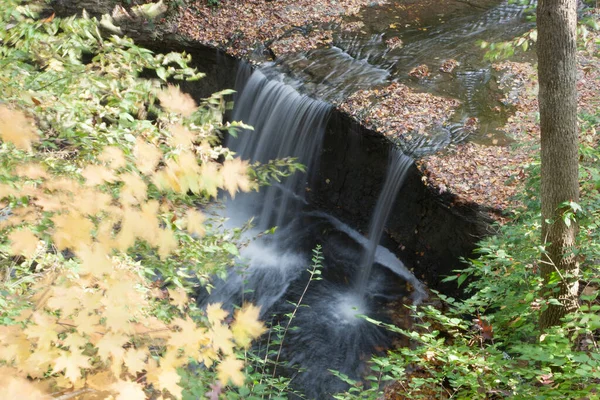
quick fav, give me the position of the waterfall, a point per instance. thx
(286, 124)
(397, 169)
(327, 330)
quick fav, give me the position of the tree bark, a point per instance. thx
(557, 69)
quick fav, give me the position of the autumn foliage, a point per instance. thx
(101, 210)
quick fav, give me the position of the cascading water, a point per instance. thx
(397, 168)
(328, 332)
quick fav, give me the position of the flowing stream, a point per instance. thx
(358, 276)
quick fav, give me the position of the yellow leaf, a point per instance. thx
(23, 242)
(74, 341)
(7, 190)
(169, 380)
(211, 179)
(235, 176)
(147, 156)
(181, 136)
(174, 100)
(112, 344)
(17, 388)
(65, 299)
(71, 230)
(113, 156)
(31, 171)
(94, 260)
(221, 336)
(247, 325)
(117, 318)
(101, 380)
(86, 323)
(179, 298)
(189, 337)
(231, 369)
(97, 175)
(215, 313)
(71, 363)
(128, 390)
(38, 364)
(16, 128)
(135, 360)
(134, 188)
(90, 202)
(195, 222)
(44, 329)
(13, 344)
(167, 243)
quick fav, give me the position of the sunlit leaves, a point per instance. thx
(247, 326)
(99, 202)
(230, 369)
(174, 100)
(23, 242)
(17, 128)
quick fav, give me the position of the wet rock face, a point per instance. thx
(425, 229)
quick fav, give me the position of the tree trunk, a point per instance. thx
(556, 48)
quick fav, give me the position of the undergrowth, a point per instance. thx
(489, 345)
(105, 178)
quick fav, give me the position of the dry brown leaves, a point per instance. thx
(398, 110)
(490, 175)
(239, 25)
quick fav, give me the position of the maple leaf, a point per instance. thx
(147, 156)
(181, 136)
(72, 363)
(31, 171)
(15, 387)
(17, 129)
(128, 390)
(97, 175)
(7, 191)
(189, 337)
(195, 222)
(210, 179)
(247, 325)
(169, 380)
(90, 202)
(94, 260)
(112, 344)
(71, 230)
(215, 313)
(86, 323)
(221, 336)
(134, 188)
(65, 299)
(231, 369)
(74, 341)
(174, 100)
(167, 243)
(113, 156)
(135, 360)
(179, 298)
(117, 318)
(100, 380)
(13, 344)
(44, 329)
(235, 176)
(23, 242)
(39, 362)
